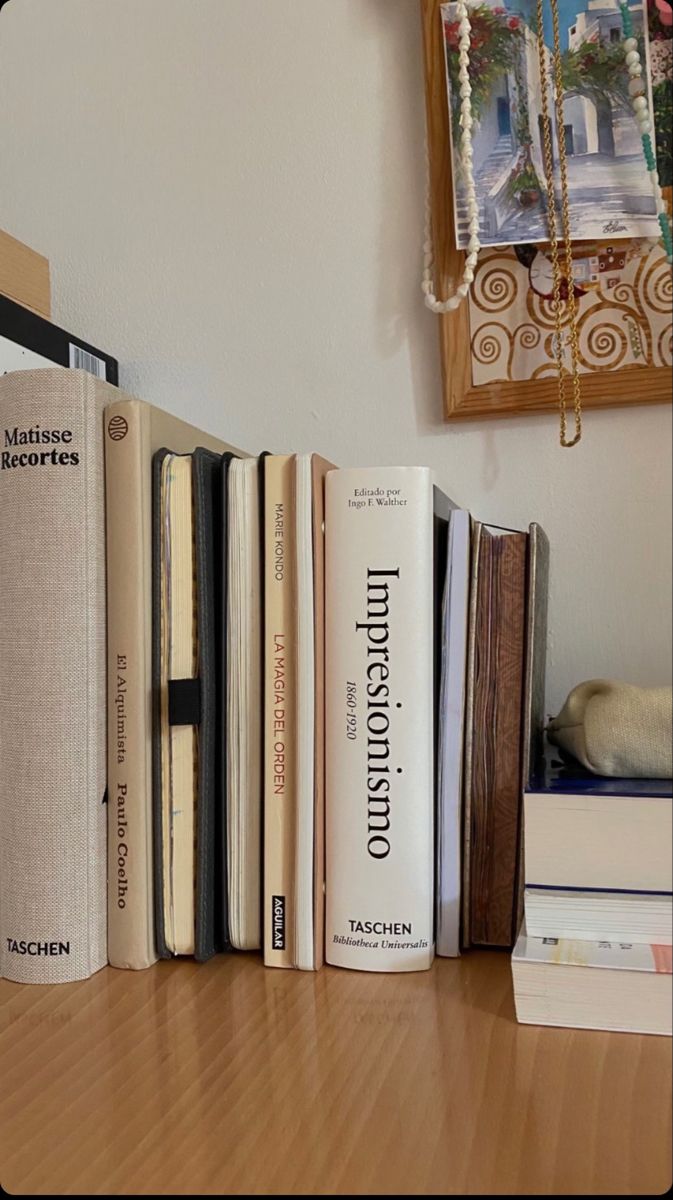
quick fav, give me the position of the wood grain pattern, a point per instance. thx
(495, 723)
(225, 1078)
(24, 275)
(628, 386)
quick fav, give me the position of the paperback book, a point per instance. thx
(593, 984)
(583, 831)
(591, 914)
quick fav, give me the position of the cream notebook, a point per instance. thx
(244, 706)
(179, 743)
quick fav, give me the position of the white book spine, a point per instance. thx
(451, 730)
(379, 718)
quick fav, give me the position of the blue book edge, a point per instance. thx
(560, 774)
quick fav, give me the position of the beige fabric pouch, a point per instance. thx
(617, 729)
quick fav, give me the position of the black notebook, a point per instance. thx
(189, 680)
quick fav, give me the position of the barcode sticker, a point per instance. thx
(87, 362)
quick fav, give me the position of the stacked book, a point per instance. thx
(595, 949)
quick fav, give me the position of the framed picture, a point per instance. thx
(610, 194)
(497, 349)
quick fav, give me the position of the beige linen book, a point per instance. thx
(135, 430)
(280, 710)
(52, 676)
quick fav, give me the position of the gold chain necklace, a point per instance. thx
(557, 303)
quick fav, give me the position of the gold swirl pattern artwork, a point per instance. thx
(624, 295)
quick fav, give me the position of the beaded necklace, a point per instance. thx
(466, 123)
(558, 304)
(637, 92)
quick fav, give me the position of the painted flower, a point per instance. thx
(661, 60)
(513, 23)
(451, 33)
(665, 12)
(483, 24)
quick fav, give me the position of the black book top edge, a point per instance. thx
(35, 333)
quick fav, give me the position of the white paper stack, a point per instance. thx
(593, 984)
(596, 915)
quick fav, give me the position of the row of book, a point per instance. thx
(325, 693)
(323, 690)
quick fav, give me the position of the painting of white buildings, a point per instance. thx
(609, 189)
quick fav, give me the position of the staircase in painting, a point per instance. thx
(487, 177)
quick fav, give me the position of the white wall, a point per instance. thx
(230, 193)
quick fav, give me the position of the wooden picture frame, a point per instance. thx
(624, 386)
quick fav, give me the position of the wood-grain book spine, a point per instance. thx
(493, 780)
(52, 676)
(130, 893)
(280, 709)
(379, 623)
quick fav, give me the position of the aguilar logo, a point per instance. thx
(278, 922)
(118, 428)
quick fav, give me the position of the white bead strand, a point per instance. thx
(639, 103)
(466, 123)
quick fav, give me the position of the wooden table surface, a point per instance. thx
(226, 1078)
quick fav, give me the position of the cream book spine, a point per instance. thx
(52, 676)
(280, 710)
(128, 493)
(379, 586)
